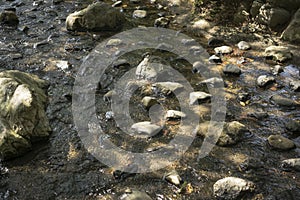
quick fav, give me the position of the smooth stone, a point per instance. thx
(295, 85)
(293, 163)
(113, 42)
(242, 45)
(145, 129)
(149, 101)
(162, 22)
(117, 3)
(264, 80)
(232, 69)
(173, 177)
(232, 187)
(135, 195)
(278, 53)
(231, 134)
(214, 59)
(174, 114)
(213, 41)
(201, 24)
(9, 17)
(168, 87)
(196, 96)
(189, 42)
(98, 16)
(223, 50)
(139, 14)
(145, 71)
(277, 69)
(283, 101)
(281, 143)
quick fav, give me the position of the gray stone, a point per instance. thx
(213, 82)
(109, 95)
(264, 80)
(135, 195)
(145, 70)
(293, 163)
(290, 5)
(281, 143)
(162, 22)
(196, 96)
(9, 17)
(168, 87)
(173, 177)
(175, 114)
(292, 32)
(213, 41)
(214, 59)
(242, 45)
(96, 17)
(201, 24)
(295, 85)
(277, 69)
(231, 133)
(149, 101)
(139, 14)
(223, 50)
(256, 5)
(188, 42)
(283, 101)
(274, 17)
(22, 112)
(232, 69)
(114, 42)
(278, 53)
(232, 187)
(145, 129)
(293, 126)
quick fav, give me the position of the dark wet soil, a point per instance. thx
(61, 167)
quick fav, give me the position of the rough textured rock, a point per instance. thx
(145, 70)
(96, 17)
(231, 134)
(9, 17)
(149, 101)
(175, 114)
(161, 22)
(167, 87)
(290, 5)
(145, 129)
(198, 96)
(295, 85)
(173, 177)
(281, 143)
(223, 50)
(22, 112)
(283, 101)
(293, 126)
(232, 69)
(278, 53)
(264, 80)
(292, 32)
(274, 17)
(232, 187)
(293, 163)
(256, 5)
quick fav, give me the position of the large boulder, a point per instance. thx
(292, 32)
(274, 17)
(96, 17)
(290, 5)
(22, 112)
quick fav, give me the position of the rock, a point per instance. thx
(168, 87)
(199, 67)
(231, 134)
(173, 177)
(145, 129)
(188, 42)
(290, 5)
(274, 17)
(139, 14)
(281, 143)
(293, 163)
(293, 126)
(22, 112)
(201, 24)
(98, 16)
(149, 101)
(278, 53)
(196, 96)
(117, 3)
(232, 69)
(214, 59)
(145, 71)
(223, 50)
(232, 188)
(62, 64)
(114, 42)
(9, 17)
(121, 63)
(264, 80)
(283, 101)
(242, 45)
(277, 69)
(109, 95)
(213, 41)
(295, 85)
(243, 96)
(135, 195)
(175, 114)
(256, 5)
(162, 22)
(214, 82)
(292, 32)
(109, 115)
